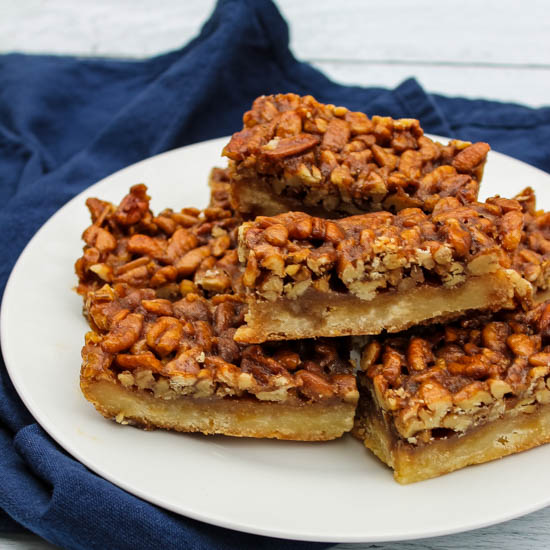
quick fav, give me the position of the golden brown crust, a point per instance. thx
(242, 417)
(339, 163)
(333, 314)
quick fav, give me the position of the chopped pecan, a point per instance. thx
(165, 335)
(471, 157)
(286, 147)
(133, 207)
(99, 238)
(123, 334)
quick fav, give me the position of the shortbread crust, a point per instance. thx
(238, 417)
(330, 315)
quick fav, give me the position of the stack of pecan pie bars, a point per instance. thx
(326, 225)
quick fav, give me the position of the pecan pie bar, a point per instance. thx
(295, 154)
(308, 277)
(161, 350)
(175, 365)
(434, 401)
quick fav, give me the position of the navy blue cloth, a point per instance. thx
(66, 123)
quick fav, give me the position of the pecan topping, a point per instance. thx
(146, 342)
(458, 375)
(286, 254)
(128, 244)
(340, 162)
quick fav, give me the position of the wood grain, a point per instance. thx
(24, 541)
(529, 532)
(529, 86)
(493, 49)
(470, 31)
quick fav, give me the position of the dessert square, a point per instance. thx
(296, 154)
(440, 399)
(309, 277)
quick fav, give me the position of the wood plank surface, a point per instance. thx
(493, 49)
(470, 31)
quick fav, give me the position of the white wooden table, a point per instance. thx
(493, 49)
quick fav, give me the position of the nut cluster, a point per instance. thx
(220, 189)
(450, 377)
(286, 255)
(162, 295)
(173, 252)
(347, 163)
(186, 347)
(532, 258)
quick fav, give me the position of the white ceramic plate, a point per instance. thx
(335, 492)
